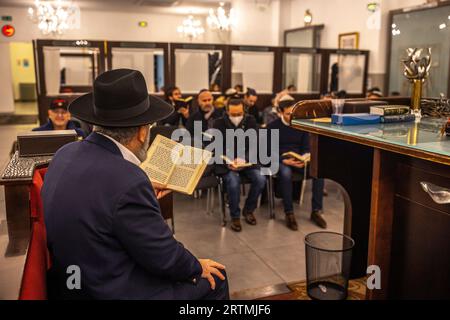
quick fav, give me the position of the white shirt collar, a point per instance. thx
(126, 153)
(284, 122)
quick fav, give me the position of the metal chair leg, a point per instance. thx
(211, 207)
(302, 191)
(222, 204)
(270, 198)
(208, 195)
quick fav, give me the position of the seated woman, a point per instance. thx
(59, 118)
(293, 140)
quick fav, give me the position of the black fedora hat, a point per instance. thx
(120, 99)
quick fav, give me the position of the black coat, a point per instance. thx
(102, 215)
(200, 116)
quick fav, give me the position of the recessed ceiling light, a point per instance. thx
(442, 26)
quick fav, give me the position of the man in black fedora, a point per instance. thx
(105, 233)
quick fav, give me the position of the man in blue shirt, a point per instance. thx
(296, 141)
(59, 118)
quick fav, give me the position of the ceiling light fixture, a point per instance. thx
(191, 28)
(220, 20)
(308, 18)
(54, 17)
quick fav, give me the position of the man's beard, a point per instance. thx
(142, 153)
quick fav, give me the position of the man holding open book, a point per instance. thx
(237, 164)
(293, 148)
(102, 214)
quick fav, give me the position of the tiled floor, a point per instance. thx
(259, 256)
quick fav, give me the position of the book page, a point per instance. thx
(303, 158)
(159, 165)
(189, 169)
(234, 164)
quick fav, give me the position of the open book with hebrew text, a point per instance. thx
(176, 166)
(303, 158)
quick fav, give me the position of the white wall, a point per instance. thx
(6, 81)
(256, 26)
(119, 26)
(342, 16)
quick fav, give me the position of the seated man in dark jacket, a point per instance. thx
(297, 141)
(181, 114)
(59, 118)
(205, 115)
(250, 99)
(238, 151)
(102, 214)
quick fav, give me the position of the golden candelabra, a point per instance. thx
(417, 69)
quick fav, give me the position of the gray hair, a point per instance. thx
(121, 135)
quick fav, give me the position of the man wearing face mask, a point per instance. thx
(234, 119)
(102, 213)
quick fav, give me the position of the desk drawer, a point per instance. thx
(408, 178)
(420, 256)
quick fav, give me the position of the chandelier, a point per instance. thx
(191, 28)
(220, 19)
(54, 17)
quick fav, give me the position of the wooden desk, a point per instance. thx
(395, 224)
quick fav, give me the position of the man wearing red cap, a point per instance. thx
(59, 118)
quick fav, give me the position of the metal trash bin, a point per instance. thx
(328, 259)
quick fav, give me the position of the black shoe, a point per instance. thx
(249, 218)
(291, 222)
(236, 224)
(317, 218)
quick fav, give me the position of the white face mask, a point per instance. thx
(236, 120)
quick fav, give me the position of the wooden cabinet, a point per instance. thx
(420, 247)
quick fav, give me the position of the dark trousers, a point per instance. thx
(202, 290)
(284, 180)
(232, 181)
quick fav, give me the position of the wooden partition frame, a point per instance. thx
(39, 56)
(226, 79)
(326, 53)
(276, 86)
(38, 48)
(299, 50)
(105, 63)
(141, 45)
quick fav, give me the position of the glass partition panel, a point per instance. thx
(197, 69)
(76, 69)
(428, 28)
(346, 73)
(300, 38)
(302, 70)
(148, 61)
(253, 69)
(70, 70)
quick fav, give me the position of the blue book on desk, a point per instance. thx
(349, 119)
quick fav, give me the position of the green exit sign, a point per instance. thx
(6, 18)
